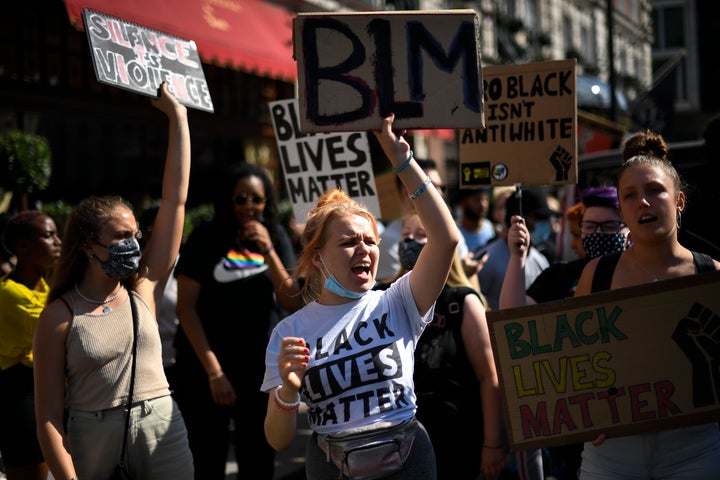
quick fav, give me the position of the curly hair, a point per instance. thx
(332, 204)
(575, 213)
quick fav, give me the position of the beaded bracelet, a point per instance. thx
(420, 189)
(405, 164)
(286, 406)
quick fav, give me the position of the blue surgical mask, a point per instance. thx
(337, 288)
(541, 232)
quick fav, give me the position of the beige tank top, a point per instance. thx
(99, 358)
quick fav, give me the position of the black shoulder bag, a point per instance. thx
(120, 471)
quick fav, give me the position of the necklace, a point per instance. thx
(106, 308)
(637, 263)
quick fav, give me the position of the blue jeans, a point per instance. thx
(686, 453)
(157, 445)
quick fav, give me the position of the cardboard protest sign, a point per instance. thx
(530, 135)
(315, 163)
(356, 68)
(139, 59)
(620, 362)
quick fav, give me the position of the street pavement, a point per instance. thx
(289, 463)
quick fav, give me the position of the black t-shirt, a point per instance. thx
(557, 281)
(236, 303)
(442, 368)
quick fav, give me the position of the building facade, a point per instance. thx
(107, 140)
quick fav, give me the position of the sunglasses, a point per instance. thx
(244, 198)
(611, 226)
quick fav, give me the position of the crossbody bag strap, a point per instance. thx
(132, 376)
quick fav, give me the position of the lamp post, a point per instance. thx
(611, 60)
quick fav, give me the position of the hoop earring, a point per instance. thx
(679, 219)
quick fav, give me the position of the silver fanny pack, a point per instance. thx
(371, 454)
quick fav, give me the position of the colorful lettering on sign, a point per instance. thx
(587, 329)
(635, 403)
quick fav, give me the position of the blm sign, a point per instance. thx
(356, 68)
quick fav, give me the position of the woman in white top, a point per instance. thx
(349, 352)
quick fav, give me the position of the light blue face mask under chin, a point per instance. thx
(337, 288)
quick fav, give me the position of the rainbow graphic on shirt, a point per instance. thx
(243, 259)
(238, 264)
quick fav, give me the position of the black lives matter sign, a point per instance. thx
(139, 59)
(316, 162)
(620, 362)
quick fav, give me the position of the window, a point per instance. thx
(670, 43)
(588, 43)
(668, 27)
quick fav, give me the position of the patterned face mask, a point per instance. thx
(409, 251)
(599, 244)
(124, 258)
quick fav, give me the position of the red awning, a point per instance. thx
(248, 35)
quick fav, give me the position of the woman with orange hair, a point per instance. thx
(349, 352)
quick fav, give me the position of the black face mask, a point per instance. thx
(124, 258)
(408, 251)
(600, 244)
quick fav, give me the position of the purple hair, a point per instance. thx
(600, 197)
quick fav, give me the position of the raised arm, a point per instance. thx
(428, 276)
(162, 250)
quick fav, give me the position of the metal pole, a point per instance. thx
(611, 60)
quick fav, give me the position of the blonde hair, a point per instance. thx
(331, 205)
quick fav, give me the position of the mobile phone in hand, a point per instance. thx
(479, 254)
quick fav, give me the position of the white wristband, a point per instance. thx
(283, 403)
